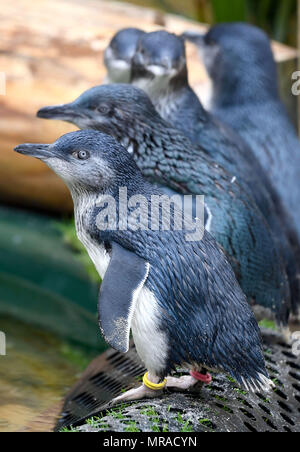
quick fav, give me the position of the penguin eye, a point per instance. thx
(103, 109)
(81, 155)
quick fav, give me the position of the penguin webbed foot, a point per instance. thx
(184, 383)
(193, 382)
(142, 392)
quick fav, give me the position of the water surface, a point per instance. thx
(35, 375)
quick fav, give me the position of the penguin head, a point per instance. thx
(117, 110)
(237, 56)
(160, 57)
(86, 160)
(119, 53)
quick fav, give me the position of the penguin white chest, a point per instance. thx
(97, 252)
(150, 341)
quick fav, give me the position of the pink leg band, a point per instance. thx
(204, 378)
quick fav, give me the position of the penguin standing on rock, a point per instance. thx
(167, 158)
(119, 53)
(179, 296)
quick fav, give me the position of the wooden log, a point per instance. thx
(51, 51)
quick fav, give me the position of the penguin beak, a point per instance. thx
(194, 37)
(163, 68)
(155, 66)
(65, 112)
(116, 61)
(39, 151)
(158, 69)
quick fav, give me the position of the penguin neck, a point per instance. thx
(85, 197)
(245, 84)
(79, 192)
(84, 202)
(178, 104)
(167, 94)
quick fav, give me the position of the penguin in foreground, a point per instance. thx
(167, 158)
(119, 53)
(241, 65)
(179, 296)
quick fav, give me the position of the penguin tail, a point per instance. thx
(260, 383)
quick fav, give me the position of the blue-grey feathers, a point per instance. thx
(123, 281)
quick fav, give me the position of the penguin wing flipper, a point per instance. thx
(120, 288)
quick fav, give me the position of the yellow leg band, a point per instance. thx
(153, 386)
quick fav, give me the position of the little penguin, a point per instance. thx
(168, 158)
(241, 65)
(159, 68)
(119, 53)
(179, 297)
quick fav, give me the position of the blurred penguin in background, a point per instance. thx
(240, 62)
(119, 53)
(159, 68)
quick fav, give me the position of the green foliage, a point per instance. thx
(98, 423)
(240, 391)
(277, 17)
(186, 426)
(67, 228)
(233, 11)
(154, 418)
(268, 324)
(68, 430)
(232, 380)
(207, 423)
(132, 427)
(42, 282)
(76, 355)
